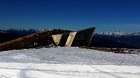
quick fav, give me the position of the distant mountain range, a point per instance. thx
(137, 33)
(118, 33)
(115, 40)
(6, 35)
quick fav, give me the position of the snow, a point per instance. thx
(68, 63)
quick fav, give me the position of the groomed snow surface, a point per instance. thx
(68, 63)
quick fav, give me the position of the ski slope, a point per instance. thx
(68, 63)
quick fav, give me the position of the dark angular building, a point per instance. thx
(45, 39)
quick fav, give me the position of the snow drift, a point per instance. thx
(68, 63)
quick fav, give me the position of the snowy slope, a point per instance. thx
(68, 63)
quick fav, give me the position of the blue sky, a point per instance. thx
(105, 15)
